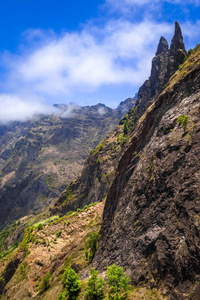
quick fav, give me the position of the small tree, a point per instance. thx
(100, 146)
(61, 297)
(98, 161)
(92, 246)
(95, 287)
(45, 283)
(72, 284)
(183, 120)
(118, 283)
(126, 127)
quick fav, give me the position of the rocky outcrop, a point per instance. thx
(151, 222)
(177, 51)
(164, 65)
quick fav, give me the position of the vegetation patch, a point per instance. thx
(183, 120)
(91, 246)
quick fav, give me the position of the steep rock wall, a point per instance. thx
(151, 223)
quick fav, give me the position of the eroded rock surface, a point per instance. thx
(151, 222)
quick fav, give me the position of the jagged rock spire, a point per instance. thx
(162, 46)
(177, 50)
(177, 40)
(164, 65)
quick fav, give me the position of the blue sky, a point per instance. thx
(85, 51)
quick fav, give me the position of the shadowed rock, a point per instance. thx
(164, 65)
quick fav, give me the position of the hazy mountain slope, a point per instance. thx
(99, 169)
(39, 158)
(151, 216)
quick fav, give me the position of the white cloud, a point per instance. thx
(15, 108)
(119, 53)
(22, 108)
(191, 31)
(123, 4)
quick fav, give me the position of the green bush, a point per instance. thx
(126, 129)
(58, 233)
(183, 120)
(40, 226)
(72, 284)
(188, 54)
(100, 146)
(91, 152)
(45, 283)
(118, 283)
(61, 297)
(92, 246)
(95, 287)
(98, 161)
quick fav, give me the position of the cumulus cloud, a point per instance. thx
(119, 53)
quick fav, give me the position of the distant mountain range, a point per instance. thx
(40, 157)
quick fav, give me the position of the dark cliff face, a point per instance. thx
(151, 223)
(164, 65)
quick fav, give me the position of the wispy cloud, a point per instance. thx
(18, 108)
(22, 108)
(119, 53)
(132, 3)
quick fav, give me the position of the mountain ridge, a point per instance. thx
(39, 158)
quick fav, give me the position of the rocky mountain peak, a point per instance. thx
(162, 46)
(164, 65)
(177, 40)
(177, 50)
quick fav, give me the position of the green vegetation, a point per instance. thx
(46, 221)
(100, 147)
(91, 152)
(69, 194)
(45, 283)
(189, 139)
(40, 226)
(183, 120)
(95, 287)
(71, 284)
(5, 233)
(118, 283)
(98, 161)
(22, 269)
(86, 207)
(91, 246)
(28, 236)
(188, 54)
(126, 127)
(58, 233)
(120, 139)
